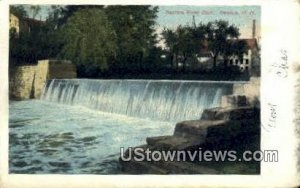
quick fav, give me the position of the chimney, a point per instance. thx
(254, 29)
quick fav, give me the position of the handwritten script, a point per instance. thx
(280, 68)
(273, 114)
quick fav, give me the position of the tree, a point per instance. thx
(26, 47)
(185, 42)
(190, 41)
(19, 11)
(65, 12)
(170, 39)
(134, 27)
(55, 14)
(219, 36)
(35, 10)
(89, 38)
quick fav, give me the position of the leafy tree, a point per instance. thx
(24, 48)
(35, 10)
(189, 42)
(63, 13)
(54, 16)
(184, 42)
(19, 11)
(170, 39)
(219, 36)
(134, 27)
(89, 38)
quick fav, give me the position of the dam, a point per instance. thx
(79, 125)
(149, 99)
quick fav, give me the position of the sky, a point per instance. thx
(241, 16)
(172, 16)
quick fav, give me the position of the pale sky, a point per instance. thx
(172, 16)
(241, 16)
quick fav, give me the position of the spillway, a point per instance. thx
(162, 100)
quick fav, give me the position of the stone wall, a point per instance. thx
(52, 69)
(41, 75)
(21, 81)
(61, 69)
(28, 81)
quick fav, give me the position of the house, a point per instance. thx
(29, 24)
(249, 60)
(14, 23)
(25, 25)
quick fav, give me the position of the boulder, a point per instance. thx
(234, 101)
(218, 129)
(202, 132)
(195, 128)
(231, 113)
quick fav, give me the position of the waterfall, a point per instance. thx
(162, 100)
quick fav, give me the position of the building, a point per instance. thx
(14, 23)
(25, 25)
(29, 24)
(249, 59)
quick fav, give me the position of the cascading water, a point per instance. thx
(82, 138)
(156, 100)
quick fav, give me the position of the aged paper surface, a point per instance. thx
(34, 156)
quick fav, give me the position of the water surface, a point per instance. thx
(54, 138)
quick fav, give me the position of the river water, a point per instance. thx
(79, 126)
(53, 138)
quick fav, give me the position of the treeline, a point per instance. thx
(218, 38)
(109, 41)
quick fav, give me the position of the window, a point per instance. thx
(247, 61)
(236, 61)
(231, 62)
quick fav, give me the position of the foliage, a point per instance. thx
(19, 11)
(116, 40)
(35, 10)
(89, 38)
(134, 27)
(41, 42)
(186, 42)
(221, 37)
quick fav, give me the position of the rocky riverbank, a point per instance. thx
(219, 129)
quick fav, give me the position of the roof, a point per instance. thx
(34, 21)
(251, 43)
